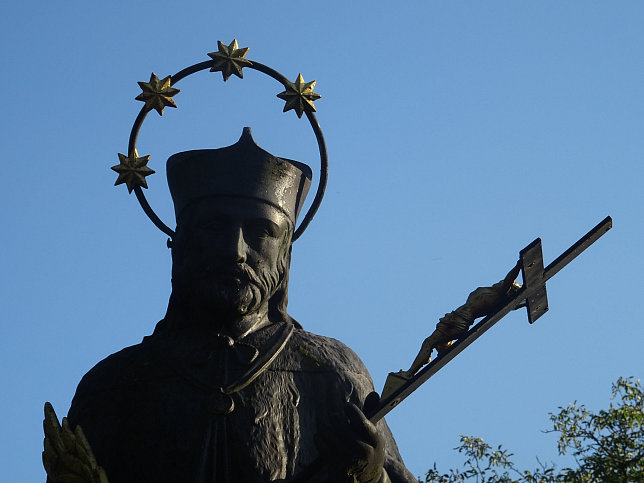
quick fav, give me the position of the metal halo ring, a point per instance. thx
(324, 161)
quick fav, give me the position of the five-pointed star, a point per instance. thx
(299, 95)
(157, 94)
(229, 59)
(132, 170)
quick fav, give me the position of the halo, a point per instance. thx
(229, 59)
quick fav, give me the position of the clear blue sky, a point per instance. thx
(458, 132)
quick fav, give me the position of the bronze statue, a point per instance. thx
(229, 388)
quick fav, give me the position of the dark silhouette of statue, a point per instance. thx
(229, 387)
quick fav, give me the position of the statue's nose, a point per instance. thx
(236, 246)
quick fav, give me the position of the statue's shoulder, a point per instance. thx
(313, 352)
(120, 369)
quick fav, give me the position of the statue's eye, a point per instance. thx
(261, 229)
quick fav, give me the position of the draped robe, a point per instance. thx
(172, 409)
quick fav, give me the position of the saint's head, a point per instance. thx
(236, 209)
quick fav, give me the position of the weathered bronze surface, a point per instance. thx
(229, 387)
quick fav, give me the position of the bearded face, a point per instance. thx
(230, 255)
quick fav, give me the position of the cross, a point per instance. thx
(532, 295)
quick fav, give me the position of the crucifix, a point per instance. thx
(532, 295)
(494, 303)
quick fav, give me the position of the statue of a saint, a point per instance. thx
(230, 388)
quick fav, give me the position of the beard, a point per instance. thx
(227, 291)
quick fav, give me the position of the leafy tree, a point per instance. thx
(608, 446)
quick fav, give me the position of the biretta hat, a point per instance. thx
(242, 170)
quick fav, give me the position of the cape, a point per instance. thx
(175, 409)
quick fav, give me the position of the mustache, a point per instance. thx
(239, 271)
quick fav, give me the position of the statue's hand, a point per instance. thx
(353, 447)
(67, 456)
(508, 285)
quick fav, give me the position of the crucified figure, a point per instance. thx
(481, 302)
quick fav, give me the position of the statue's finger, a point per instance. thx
(371, 403)
(339, 442)
(363, 429)
(511, 277)
(362, 454)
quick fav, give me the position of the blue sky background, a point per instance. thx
(457, 131)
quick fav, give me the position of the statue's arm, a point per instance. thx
(394, 469)
(348, 385)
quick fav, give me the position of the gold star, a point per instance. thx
(157, 94)
(299, 96)
(229, 59)
(132, 170)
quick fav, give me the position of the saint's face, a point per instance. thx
(231, 253)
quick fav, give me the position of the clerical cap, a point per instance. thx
(242, 170)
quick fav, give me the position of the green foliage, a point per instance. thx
(608, 446)
(485, 464)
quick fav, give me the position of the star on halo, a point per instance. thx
(229, 59)
(157, 94)
(132, 170)
(299, 96)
